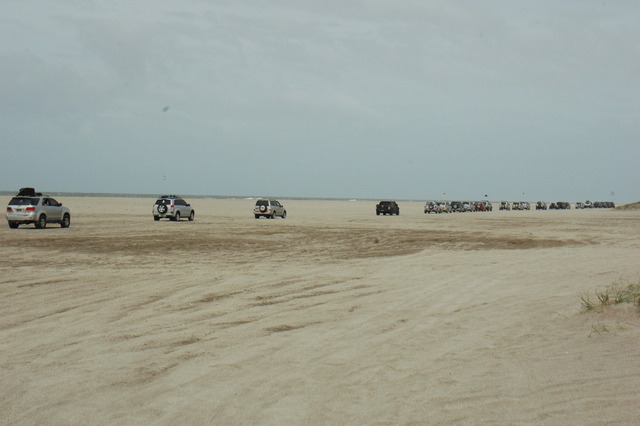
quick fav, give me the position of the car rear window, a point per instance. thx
(23, 201)
(165, 201)
(262, 203)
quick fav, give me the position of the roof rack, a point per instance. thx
(28, 192)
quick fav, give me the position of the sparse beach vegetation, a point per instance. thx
(630, 206)
(613, 294)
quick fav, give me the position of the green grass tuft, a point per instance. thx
(613, 294)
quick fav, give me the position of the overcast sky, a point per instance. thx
(348, 99)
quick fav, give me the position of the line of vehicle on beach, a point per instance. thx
(31, 207)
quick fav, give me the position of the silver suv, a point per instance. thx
(173, 208)
(269, 208)
(29, 206)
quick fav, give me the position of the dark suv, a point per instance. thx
(541, 205)
(457, 206)
(173, 208)
(387, 207)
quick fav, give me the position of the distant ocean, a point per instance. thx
(216, 197)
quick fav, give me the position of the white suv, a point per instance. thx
(269, 208)
(173, 208)
(29, 206)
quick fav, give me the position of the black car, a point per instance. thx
(541, 205)
(457, 206)
(560, 205)
(387, 207)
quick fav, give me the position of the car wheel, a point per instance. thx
(177, 216)
(66, 221)
(257, 216)
(273, 215)
(41, 222)
(162, 209)
(263, 208)
(284, 214)
(13, 225)
(156, 218)
(192, 216)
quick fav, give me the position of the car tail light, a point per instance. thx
(30, 209)
(9, 209)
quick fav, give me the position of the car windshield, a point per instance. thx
(23, 201)
(262, 203)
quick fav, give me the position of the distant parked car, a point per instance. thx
(29, 206)
(431, 207)
(579, 205)
(482, 206)
(269, 208)
(387, 207)
(520, 205)
(443, 207)
(457, 206)
(504, 205)
(562, 205)
(588, 204)
(173, 208)
(541, 205)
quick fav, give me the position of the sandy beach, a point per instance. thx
(331, 316)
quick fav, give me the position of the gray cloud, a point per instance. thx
(466, 98)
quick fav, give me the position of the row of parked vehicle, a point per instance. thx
(518, 205)
(31, 207)
(474, 206)
(457, 206)
(558, 205)
(595, 205)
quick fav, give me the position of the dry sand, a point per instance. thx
(332, 316)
